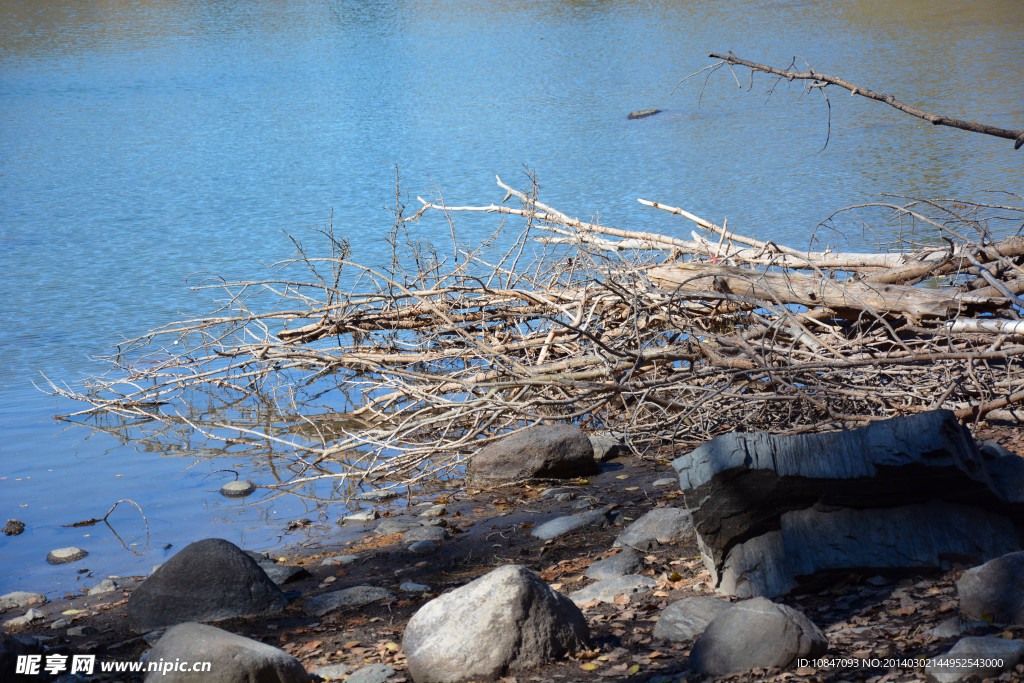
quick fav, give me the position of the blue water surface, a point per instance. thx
(142, 142)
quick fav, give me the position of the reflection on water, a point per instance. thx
(145, 141)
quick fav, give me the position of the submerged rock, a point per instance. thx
(13, 527)
(237, 489)
(643, 113)
(66, 555)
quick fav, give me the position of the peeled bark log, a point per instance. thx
(810, 291)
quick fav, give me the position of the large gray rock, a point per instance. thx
(542, 451)
(209, 580)
(282, 573)
(976, 658)
(553, 528)
(372, 673)
(20, 599)
(994, 591)
(609, 589)
(658, 527)
(687, 618)
(757, 633)
(905, 488)
(619, 564)
(232, 658)
(348, 598)
(425, 533)
(505, 621)
(12, 647)
(932, 535)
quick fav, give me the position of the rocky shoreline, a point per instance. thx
(645, 600)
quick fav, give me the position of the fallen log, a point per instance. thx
(811, 291)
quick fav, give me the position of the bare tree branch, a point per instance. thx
(820, 80)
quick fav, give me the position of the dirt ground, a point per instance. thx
(864, 616)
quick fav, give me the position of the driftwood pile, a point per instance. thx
(661, 339)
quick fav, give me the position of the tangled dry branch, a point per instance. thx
(661, 339)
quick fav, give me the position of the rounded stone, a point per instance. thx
(237, 489)
(423, 547)
(13, 527)
(65, 555)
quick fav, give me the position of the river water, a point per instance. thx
(142, 141)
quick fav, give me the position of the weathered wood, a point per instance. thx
(820, 80)
(811, 291)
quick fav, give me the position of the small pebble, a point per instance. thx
(413, 587)
(60, 623)
(435, 511)
(76, 631)
(339, 559)
(668, 481)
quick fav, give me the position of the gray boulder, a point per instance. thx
(769, 510)
(757, 633)
(232, 657)
(542, 451)
(281, 574)
(425, 533)
(974, 653)
(356, 596)
(620, 564)
(394, 525)
(607, 447)
(553, 528)
(502, 622)
(20, 599)
(994, 591)
(373, 673)
(932, 535)
(209, 580)
(333, 672)
(12, 647)
(609, 589)
(687, 618)
(424, 547)
(658, 527)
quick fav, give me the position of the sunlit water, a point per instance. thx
(141, 142)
